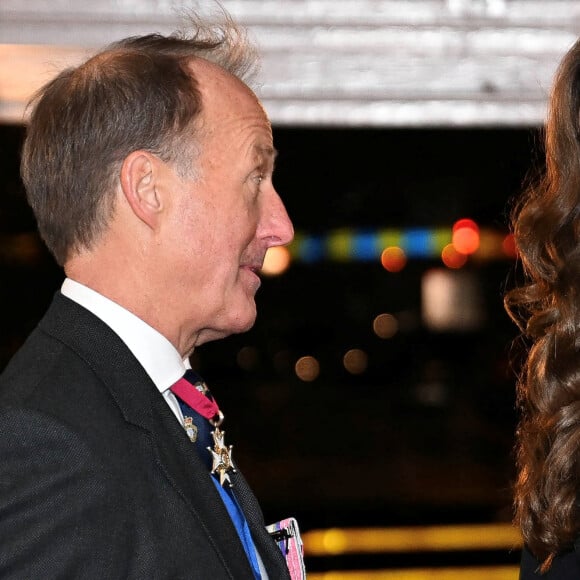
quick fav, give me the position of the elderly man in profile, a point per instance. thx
(149, 170)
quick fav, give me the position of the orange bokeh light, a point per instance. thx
(355, 361)
(452, 258)
(276, 261)
(393, 259)
(307, 368)
(465, 237)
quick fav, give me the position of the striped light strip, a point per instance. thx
(345, 245)
(470, 573)
(411, 539)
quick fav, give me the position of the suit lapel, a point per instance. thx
(142, 405)
(269, 551)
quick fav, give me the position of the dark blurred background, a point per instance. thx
(422, 432)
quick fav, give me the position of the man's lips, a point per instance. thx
(254, 267)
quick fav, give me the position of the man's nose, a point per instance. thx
(278, 228)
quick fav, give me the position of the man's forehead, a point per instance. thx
(222, 91)
(210, 75)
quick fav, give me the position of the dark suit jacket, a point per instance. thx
(97, 478)
(566, 566)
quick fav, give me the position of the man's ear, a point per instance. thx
(139, 176)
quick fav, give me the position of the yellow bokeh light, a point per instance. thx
(335, 541)
(276, 261)
(490, 245)
(307, 368)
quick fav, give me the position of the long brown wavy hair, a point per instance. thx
(546, 307)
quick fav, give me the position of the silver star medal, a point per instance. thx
(190, 428)
(222, 457)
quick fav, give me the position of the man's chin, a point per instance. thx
(236, 322)
(244, 324)
(242, 321)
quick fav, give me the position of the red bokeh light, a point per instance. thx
(465, 237)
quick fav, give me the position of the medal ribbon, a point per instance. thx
(205, 406)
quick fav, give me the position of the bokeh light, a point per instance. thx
(385, 325)
(452, 258)
(282, 361)
(391, 244)
(355, 361)
(393, 259)
(22, 248)
(307, 368)
(335, 541)
(490, 245)
(509, 246)
(451, 301)
(248, 358)
(276, 261)
(465, 237)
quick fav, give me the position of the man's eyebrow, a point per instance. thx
(266, 151)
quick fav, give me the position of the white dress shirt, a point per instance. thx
(154, 352)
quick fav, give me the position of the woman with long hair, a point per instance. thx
(546, 307)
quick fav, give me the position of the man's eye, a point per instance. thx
(258, 178)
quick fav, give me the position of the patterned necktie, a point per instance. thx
(201, 422)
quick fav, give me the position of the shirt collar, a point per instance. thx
(160, 359)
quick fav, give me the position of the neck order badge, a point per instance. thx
(195, 394)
